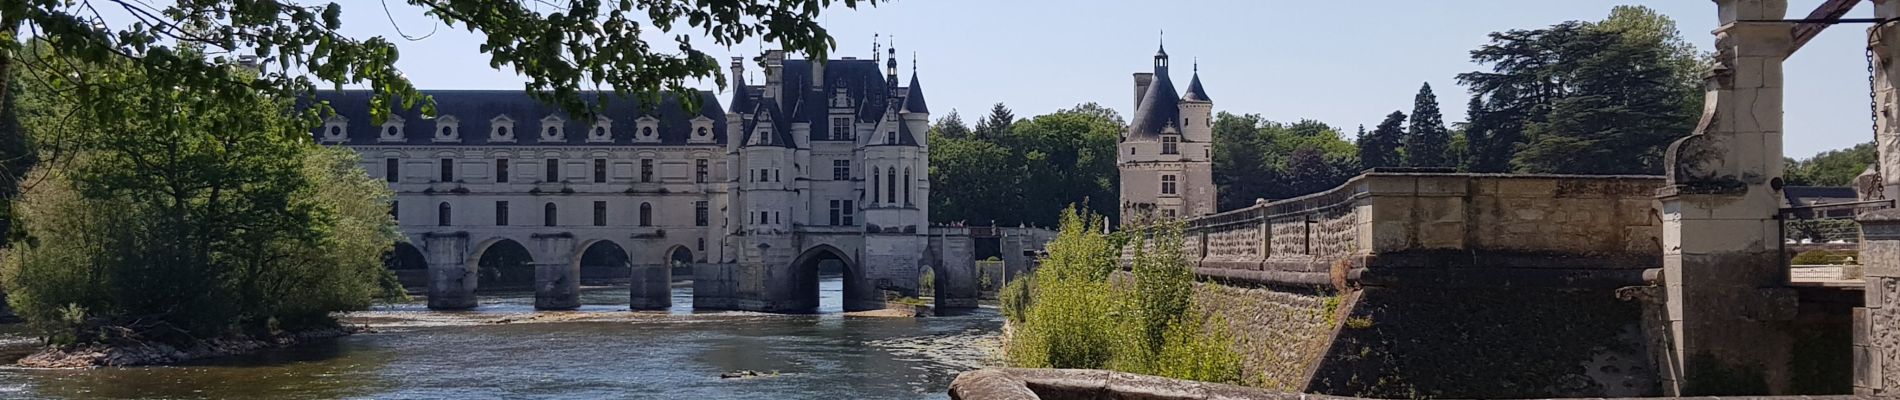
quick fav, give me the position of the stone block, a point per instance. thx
(1527, 187)
(1875, 293)
(1443, 185)
(1442, 235)
(1863, 327)
(1391, 185)
(1868, 371)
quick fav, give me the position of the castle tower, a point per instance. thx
(762, 166)
(897, 190)
(1165, 159)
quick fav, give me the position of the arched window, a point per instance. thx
(890, 186)
(874, 191)
(442, 214)
(907, 184)
(336, 131)
(548, 218)
(646, 214)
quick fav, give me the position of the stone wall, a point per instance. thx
(1392, 224)
(1280, 334)
(1031, 384)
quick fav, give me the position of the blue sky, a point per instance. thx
(1345, 63)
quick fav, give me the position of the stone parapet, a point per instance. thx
(1455, 223)
(1876, 329)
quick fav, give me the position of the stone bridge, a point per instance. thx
(455, 267)
(1386, 226)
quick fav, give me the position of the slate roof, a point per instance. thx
(1160, 109)
(1194, 91)
(475, 110)
(914, 98)
(1805, 195)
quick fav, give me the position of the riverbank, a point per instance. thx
(152, 353)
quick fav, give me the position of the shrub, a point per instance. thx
(1824, 257)
(1071, 313)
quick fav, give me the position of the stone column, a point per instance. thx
(1726, 300)
(651, 287)
(557, 277)
(451, 274)
(1877, 325)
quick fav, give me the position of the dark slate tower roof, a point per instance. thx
(475, 110)
(1194, 91)
(741, 94)
(1160, 106)
(914, 99)
(781, 126)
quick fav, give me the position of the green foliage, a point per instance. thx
(188, 214)
(1019, 172)
(1585, 97)
(951, 126)
(927, 283)
(1487, 146)
(1259, 159)
(1017, 297)
(562, 50)
(1427, 142)
(1825, 257)
(1076, 316)
(1832, 167)
(1381, 147)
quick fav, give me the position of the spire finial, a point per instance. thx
(1164, 40)
(913, 62)
(1197, 64)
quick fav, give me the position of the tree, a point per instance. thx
(1098, 111)
(1488, 148)
(1067, 158)
(1426, 139)
(1244, 170)
(997, 124)
(1381, 148)
(950, 126)
(16, 158)
(562, 50)
(973, 181)
(1832, 167)
(1588, 97)
(187, 214)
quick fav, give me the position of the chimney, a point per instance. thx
(1142, 80)
(775, 75)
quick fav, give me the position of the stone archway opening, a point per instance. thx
(680, 262)
(825, 280)
(408, 264)
(604, 263)
(504, 265)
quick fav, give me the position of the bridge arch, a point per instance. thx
(602, 261)
(502, 264)
(858, 294)
(408, 263)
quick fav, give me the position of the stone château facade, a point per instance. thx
(1166, 158)
(822, 161)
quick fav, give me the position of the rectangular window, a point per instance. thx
(890, 137)
(600, 213)
(392, 170)
(501, 171)
(702, 170)
(775, 174)
(1170, 145)
(646, 170)
(850, 210)
(702, 216)
(841, 128)
(448, 170)
(600, 170)
(764, 217)
(702, 244)
(837, 212)
(1167, 184)
(840, 170)
(554, 170)
(501, 213)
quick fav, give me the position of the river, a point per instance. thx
(504, 349)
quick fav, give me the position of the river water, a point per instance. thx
(504, 349)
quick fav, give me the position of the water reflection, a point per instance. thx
(678, 354)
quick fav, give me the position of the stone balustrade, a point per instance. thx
(1602, 227)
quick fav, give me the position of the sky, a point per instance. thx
(1345, 63)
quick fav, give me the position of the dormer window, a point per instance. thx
(335, 129)
(551, 129)
(765, 136)
(646, 130)
(448, 129)
(602, 132)
(890, 137)
(502, 129)
(392, 130)
(1170, 144)
(702, 130)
